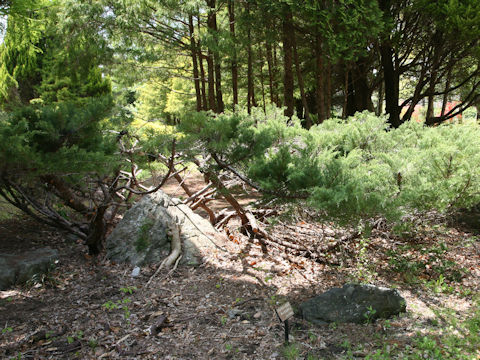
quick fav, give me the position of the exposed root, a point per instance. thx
(175, 255)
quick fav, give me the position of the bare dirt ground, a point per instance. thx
(225, 309)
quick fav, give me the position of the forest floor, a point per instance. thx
(91, 308)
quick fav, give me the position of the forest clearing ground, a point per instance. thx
(224, 309)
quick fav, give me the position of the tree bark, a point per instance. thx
(288, 29)
(212, 27)
(445, 95)
(231, 17)
(329, 90)
(202, 70)
(278, 100)
(380, 100)
(211, 21)
(194, 63)
(320, 88)
(345, 94)
(301, 85)
(391, 81)
(268, 49)
(97, 231)
(64, 192)
(211, 82)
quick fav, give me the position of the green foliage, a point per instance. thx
(291, 352)
(60, 139)
(352, 170)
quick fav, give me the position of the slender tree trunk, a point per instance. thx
(351, 106)
(249, 63)
(231, 17)
(211, 82)
(447, 89)
(345, 95)
(203, 82)
(218, 84)
(262, 80)
(430, 100)
(268, 49)
(278, 100)
(329, 90)
(301, 85)
(202, 70)
(320, 89)
(212, 27)
(194, 63)
(288, 30)
(380, 100)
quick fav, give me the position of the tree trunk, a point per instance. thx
(218, 84)
(320, 88)
(194, 63)
(64, 192)
(391, 81)
(278, 100)
(97, 231)
(211, 82)
(262, 80)
(202, 70)
(268, 49)
(308, 122)
(363, 98)
(231, 17)
(447, 89)
(380, 100)
(212, 28)
(329, 90)
(345, 95)
(211, 20)
(350, 106)
(288, 30)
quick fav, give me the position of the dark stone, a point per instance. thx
(353, 304)
(17, 269)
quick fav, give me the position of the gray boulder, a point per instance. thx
(353, 304)
(19, 268)
(141, 237)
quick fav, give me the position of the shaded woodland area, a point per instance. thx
(326, 141)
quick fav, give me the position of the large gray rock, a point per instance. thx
(141, 237)
(19, 268)
(353, 304)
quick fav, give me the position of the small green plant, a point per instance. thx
(110, 305)
(93, 343)
(291, 352)
(128, 290)
(370, 315)
(6, 330)
(119, 304)
(223, 320)
(440, 286)
(228, 347)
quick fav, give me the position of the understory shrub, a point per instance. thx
(350, 169)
